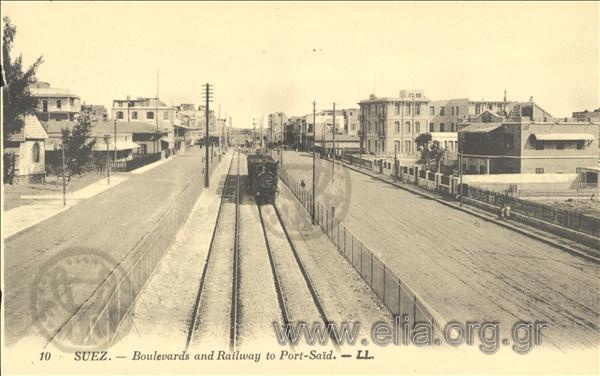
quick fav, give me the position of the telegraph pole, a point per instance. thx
(281, 121)
(115, 126)
(261, 132)
(106, 139)
(333, 166)
(314, 198)
(64, 183)
(208, 98)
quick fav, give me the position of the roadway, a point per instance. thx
(466, 268)
(111, 222)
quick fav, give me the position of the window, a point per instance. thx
(407, 129)
(417, 127)
(149, 115)
(397, 124)
(431, 110)
(397, 108)
(477, 109)
(418, 95)
(417, 109)
(560, 145)
(72, 101)
(442, 110)
(580, 145)
(431, 127)
(539, 170)
(166, 115)
(452, 109)
(451, 127)
(119, 114)
(134, 115)
(456, 110)
(442, 127)
(36, 153)
(58, 104)
(408, 108)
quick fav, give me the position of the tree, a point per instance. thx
(431, 151)
(17, 100)
(78, 151)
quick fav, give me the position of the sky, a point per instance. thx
(264, 57)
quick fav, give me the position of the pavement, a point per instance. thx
(468, 268)
(46, 206)
(110, 223)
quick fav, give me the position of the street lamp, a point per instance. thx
(106, 138)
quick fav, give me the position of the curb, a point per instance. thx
(509, 226)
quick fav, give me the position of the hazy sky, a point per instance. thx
(266, 57)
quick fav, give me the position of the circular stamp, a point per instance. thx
(333, 195)
(79, 298)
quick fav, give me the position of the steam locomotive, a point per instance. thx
(262, 176)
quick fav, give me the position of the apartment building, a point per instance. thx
(390, 124)
(54, 103)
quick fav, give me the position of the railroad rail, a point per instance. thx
(235, 285)
(309, 282)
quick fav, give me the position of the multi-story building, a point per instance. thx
(148, 110)
(54, 103)
(529, 140)
(275, 126)
(390, 125)
(322, 128)
(96, 112)
(446, 115)
(351, 121)
(587, 115)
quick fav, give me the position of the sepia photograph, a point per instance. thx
(300, 187)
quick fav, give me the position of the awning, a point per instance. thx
(564, 136)
(121, 145)
(480, 128)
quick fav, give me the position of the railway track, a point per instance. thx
(283, 296)
(219, 255)
(218, 305)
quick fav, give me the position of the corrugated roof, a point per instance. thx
(480, 128)
(51, 92)
(55, 127)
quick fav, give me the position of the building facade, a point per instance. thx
(587, 115)
(54, 103)
(520, 144)
(390, 125)
(96, 112)
(275, 127)
(351, 121)
(24, 153)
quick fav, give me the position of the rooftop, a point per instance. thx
(54, 127)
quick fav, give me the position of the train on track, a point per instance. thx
(262, 177)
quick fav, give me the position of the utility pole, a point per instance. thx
(106, 139)
(115, 126)
(254, 133)
(64, 183)
(460, 172)
(314, 198)
(261, 131)
(281, 122)
(333, 166)
(208, 97)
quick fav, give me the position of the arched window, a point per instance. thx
(36, 153)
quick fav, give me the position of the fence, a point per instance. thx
(395, 294)
(575, 221)
(357, 161)
(97, 321)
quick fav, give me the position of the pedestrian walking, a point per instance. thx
(302, 184)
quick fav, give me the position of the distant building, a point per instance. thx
(587, 115)
(528, 141)
(274, 130)
(390, 125)
(24, 152)
(151, 111)
(351, 121)
(323, 126)
(446, 115)
(96, 112)
(133, 139)
(54, 103)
